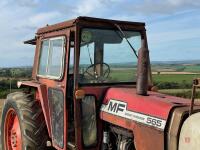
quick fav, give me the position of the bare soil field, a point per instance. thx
(1, 105)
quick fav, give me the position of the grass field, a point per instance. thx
(123, 75)
(177, 67)
(185, 93)
(166, 76)
(192, 68)
(174, 80)
(128, 75)
(179, 78)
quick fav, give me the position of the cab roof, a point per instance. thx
(73, 22)
(78, 20)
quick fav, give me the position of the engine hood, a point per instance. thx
(124, 102)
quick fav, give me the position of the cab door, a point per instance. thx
(85, 113)
(52, 73)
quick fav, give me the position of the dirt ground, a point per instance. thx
(1, 105)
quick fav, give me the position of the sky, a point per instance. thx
(173, 26)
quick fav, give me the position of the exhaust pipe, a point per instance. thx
(142, 70)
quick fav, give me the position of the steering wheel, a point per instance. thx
(91, 71)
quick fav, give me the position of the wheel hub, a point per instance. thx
(12, 131)
(13, 139)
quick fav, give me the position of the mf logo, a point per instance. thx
(116, 106)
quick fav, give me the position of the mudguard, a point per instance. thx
(40, 95)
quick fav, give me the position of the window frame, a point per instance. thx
(142, 35)
(63, 38)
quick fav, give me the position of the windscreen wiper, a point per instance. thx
(95, 70)
(124, 36)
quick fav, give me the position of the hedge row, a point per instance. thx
(173, 85)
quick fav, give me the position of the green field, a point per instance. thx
(179, 78)
(129, 74)
(177, 67)
(122, 75)
(185, 93)
(176, 79)
(165, 77)
(173, 84)
(195, 68)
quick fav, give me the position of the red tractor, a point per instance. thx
(91, 89)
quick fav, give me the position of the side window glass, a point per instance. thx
(71, 60)
(43, 58)
(55, 58)
(51, 58)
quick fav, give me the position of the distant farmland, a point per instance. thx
(176, 79)
(166, 76)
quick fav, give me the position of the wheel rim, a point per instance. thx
(12, 135)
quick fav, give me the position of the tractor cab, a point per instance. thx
(76, 64)
(78, 61)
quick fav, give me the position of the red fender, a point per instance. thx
(41, 95)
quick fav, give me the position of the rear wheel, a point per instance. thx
(22, 124)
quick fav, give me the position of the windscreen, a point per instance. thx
(106, 56)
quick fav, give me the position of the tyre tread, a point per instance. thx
(34, 132)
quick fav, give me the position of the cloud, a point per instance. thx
(89, 7)
(169, 22)
(43, 18)
(19, 3)
(163, 6)
(28, 3)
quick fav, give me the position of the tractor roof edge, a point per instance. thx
(73, 22)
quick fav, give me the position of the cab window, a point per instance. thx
(51, 58)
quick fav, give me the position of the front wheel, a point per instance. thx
(22, 124)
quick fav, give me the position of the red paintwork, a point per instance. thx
(43, 84)
(95, 90)
(155, 104)
(41, 95)
(12, 131)
(122, 122)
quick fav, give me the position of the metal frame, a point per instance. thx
(111, 83)
(62, 61)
